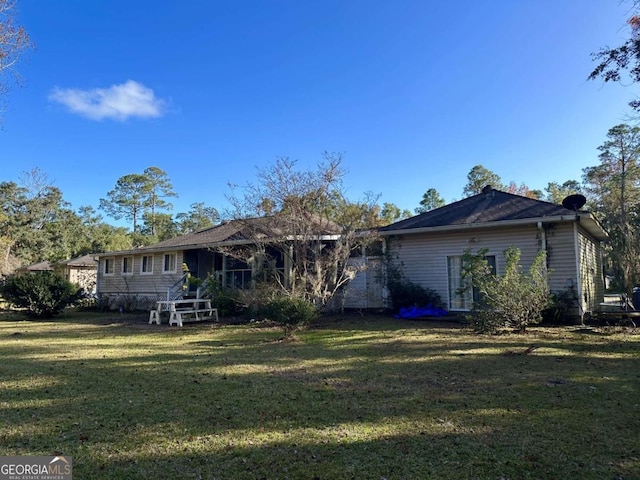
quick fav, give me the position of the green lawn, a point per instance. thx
(353, 398)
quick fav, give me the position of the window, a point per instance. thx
(464, 300)
(108, 266)
(457, 300)
(169, 263)
(127, 265)
(238, 273)
(146, 265)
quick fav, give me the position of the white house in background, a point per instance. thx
(80, 270)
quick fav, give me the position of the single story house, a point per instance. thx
(428, 248)
(43, 266)
(159, 271)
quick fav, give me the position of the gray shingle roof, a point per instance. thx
(240, 231)
(37, 267)
(485, 208)
(90, 260)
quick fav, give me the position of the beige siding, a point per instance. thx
(83, 276)
(561, 256)
(423, 257)
(575, 260)
(366, 289)
(136, 283)
(591, 281)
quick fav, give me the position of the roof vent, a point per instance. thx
(487, 189)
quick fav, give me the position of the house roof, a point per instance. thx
(493, 208)
(234, 232)
(37, 267)
(89, 260)
(83, 261)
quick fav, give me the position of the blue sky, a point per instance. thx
(412, 93)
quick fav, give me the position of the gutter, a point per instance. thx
(192, 246)
(586, 216)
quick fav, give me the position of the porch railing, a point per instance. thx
(203, 287)
(176, 291)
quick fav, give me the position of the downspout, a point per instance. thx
(543, 237)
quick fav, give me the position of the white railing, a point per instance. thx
(176, 291)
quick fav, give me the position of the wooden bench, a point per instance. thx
(176, 317)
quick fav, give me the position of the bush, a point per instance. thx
(42, 294)
(560, 309)
(290, 312)
(228, 301)
(408, 294)
(513, 300)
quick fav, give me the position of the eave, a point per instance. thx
(586, 220)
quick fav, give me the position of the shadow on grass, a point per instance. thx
(406, 401)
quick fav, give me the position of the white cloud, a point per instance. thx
(118, 102)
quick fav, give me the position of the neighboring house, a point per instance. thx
(36, 267)
(155, 272)
(428, 248)
(81, 270)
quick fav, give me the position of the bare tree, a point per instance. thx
(305, 216)
(14, 40)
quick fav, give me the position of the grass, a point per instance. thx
(352, 398)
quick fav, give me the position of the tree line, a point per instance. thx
(36, 223)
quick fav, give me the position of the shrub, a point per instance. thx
(514, 300)
(42, 294)
(289, 312)
(228, 301)
(408, 294)
(560, 307)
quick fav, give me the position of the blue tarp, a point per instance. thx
(416, 312)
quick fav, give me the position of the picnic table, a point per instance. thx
(182, 310)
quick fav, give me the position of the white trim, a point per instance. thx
(113, 266)
(463, 300)
(175, 262)
(130, 259)
(586, 219)
(150, 270)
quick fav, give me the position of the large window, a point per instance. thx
(459, 300)
(146, 264)
(127, 265)
(169, 263)
(238, 273)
